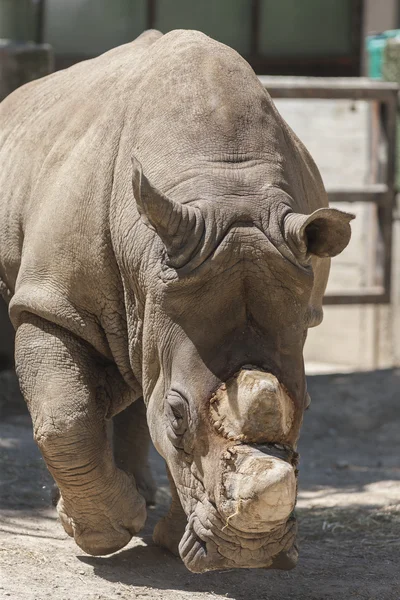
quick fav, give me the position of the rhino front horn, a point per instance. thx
(180, 226)
(252, 407)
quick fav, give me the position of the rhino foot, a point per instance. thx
(147, 487)
(169, 530)
(108, 525)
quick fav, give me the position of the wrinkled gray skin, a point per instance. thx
(158, 239)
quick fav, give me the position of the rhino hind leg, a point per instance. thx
(62, 381)
(131, 442)
(169, 530)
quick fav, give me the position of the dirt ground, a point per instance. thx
(348, 509)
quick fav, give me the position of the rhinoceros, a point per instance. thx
(165, 236)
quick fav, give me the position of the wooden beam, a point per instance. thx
(330, 88)
(374, 192)
(372, 295)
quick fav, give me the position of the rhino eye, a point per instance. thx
(176, 410)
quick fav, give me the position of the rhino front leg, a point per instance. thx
(169, 530)
(131, 442)
(63, 382)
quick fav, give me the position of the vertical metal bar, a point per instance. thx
(357, 40)
(373, 178)
(255, 20)
(373, 142)
(385, 211)
(151, 14)
(40, 20)
(389, 127)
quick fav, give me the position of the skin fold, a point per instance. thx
(166, 238)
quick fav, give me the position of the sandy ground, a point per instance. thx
(348, 509)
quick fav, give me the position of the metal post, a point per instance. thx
(40, 20)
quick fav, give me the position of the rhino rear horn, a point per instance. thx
(179, 226)
(324, 233)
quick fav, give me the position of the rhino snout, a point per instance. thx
(257, 491)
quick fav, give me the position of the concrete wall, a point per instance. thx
(350, 337)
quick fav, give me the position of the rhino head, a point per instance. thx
(229, 296)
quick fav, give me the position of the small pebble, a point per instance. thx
(342, 464)
(81, 572)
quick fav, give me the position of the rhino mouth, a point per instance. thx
(210, 544)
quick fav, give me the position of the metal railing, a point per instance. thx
(381, 191)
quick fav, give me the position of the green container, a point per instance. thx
(376, 45)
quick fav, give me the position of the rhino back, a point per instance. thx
(191, 110)
(203, 111)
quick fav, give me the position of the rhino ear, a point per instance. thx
(179, 226)
(324, 233)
